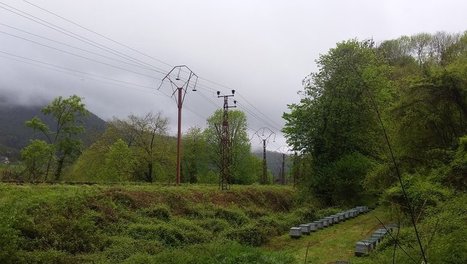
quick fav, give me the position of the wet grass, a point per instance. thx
(332, 243)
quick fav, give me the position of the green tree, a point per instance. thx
(119, 162)
(195, 155)
(152, 151)
(431, 114)
(149, 133)
(242, 170)
(66, 113)
(35, 157)
(337, 116)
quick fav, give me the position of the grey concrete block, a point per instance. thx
(341, 217)
(325, 222)
(347, 215)
(362, 248)
(319, 224)
(295, 232)
(335, 219)
(305, 229)
(378, 237)
(313, 226)
(373, 241)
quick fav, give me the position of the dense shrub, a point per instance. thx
(251, 235)
(65, 227)
(215, 226)
(421, 193)
(99, 224)
(169, 234)
(226, 252)
(159, 212)
(122, 248)
(45, 257)
(233, 216)
(9, 241)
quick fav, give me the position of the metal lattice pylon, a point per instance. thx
(226, 144)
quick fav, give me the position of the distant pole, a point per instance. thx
(265, 165)
(226, 144)
(180, 85)
(282, 150)
(283, 169)
(265, 134)
(179, 132)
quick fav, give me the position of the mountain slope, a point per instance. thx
(14, 135)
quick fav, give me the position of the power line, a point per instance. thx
(265, 118)
(253, 114)
(71, 34)
(78, 74)
(207, 98)
(272, 121)
(74, 70)
(76, 55)
(101, 35)
(78, 48)
(118, 53)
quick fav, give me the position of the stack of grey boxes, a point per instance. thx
(308, 228)
(364, 247)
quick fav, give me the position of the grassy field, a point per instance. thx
(144, 223)
(158, 224)
(332, 243)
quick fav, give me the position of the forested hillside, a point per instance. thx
(386, 123)
(14, 135)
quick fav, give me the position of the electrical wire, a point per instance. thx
(77, 48)
(88, 41)
(100, 35)
(50, 65)
(79, 74)
(76, 55)
(72, 35)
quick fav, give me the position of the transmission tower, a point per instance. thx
(226, 143)
(180, 79)
(283, 150)
(265, 134)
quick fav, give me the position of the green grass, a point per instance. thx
(332, 243)
(143, 223)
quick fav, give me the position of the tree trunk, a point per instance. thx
(48, 168)
(149, 172)
(58, 172)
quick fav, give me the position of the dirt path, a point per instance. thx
(332, 243)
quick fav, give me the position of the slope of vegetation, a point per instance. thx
(144, 223)
(386, 122)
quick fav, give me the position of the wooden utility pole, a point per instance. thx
(180, 79)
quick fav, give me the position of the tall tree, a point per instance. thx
(119, 162)
(195, 155)
(241, 157)
(336, 122)
(35, 157)
(66, 113)
(148, 131)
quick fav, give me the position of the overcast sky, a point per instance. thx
(262, 49)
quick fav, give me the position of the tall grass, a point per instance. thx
(143, 223)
